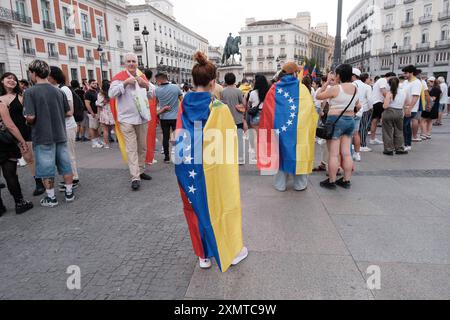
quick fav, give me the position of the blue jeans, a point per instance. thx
(407, 129)
(50, 156)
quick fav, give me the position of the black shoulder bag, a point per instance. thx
(325, 130)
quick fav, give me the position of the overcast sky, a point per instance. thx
(214, 19)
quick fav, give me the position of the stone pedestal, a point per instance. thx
(238, 71)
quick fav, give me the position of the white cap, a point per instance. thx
(357, 72)
(431, 79)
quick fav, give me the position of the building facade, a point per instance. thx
(85, 38)
(267, 45)
(400, 32)
(215, 55)
(321, 47)
(170, 46)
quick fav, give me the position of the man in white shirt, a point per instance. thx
(413, 90)
(444, 99)
(364, 93)
(380, 89)
(366, 109)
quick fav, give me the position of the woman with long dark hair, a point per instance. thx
(10, 151)
(393, 119)
(256, 99)
(11, 95)
(106, 118)
(433, 113)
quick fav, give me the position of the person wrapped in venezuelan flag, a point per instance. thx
(287, 130)
(206, 166)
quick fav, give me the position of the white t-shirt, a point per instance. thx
(70, 121)
(399, 101)
(377, 95)
(254, 100)
(317, 103)
(414, 88)
(364, 95)
(444, 97)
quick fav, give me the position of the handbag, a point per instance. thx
(325, 130)
(5, 136)
(253, 111)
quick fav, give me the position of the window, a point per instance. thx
(84, 23)
(249, 52)
(425, 36)
(407, 39)
(389, 19)
(46, 10)
(72, 52)
(74, 73)
(21, 7)
(428, 10)
(446, 6)
(140, 61)
(137, 40)
(387, 43)
(154, 26)
(2, 69)
(261, 40)
(88, 54)
(27, 46)
(136, 24)
(271, 52)
(100, 27)
(249, 40)
(260, 52)
(283, 38)
(260, 66)
(51, 48)
(409, 15)
(282, 51)
(270, 38)
(91, 74)
(445, 33)
(271, 65)
(66, 18)
(160, 29)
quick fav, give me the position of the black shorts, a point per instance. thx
(377, 110)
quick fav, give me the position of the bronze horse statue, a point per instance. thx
(231, 49)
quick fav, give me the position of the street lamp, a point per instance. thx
(100, 51)
(364, 34)
(145, 34)
(394, 52)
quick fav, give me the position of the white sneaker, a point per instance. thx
(155, 161)
(97, 146)
(241, 256)
(375, 142)
(417, 140)
(365, 149)
(205, 263)
(22, 162)
(408, 148)
(357, 157)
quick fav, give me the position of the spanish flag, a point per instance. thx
(208, 176)
(151, 133)
(287, 128)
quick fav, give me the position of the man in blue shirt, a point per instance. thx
(168, 97)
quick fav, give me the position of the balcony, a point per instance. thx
(407, 24)
(389, 4)
(172, 53)
(163, 50)
(48, 25)
(69, 31)
(441, 63)
(176, 54)
(261, 43)
(426, 19)
(119, 44)
(443, 44)
(248, 58)
(101, 39)
(270, 43)
(404, 49)
(422, 64)
(282, 41)
(29, 52)
(444, 15)
(282, 56)
(90, 59)
(408, 1)
(249, 44)
(423, 46)
(23, 19)
(73, 57)
(87, 36)
(53, 55)
(270, 57)
(260, 58)
(387, 27)
(138, 47)
(157, 48)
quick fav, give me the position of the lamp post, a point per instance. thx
(394, 52)
(364, 34)
(145, 34)
(100, 51)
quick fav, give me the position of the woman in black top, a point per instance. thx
(433, 112)
(11, 95)
(10, 152)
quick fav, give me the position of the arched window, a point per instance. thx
(387, 43)
(425, 36)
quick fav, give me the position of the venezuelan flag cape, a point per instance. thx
(151, 133)
(208, 176)
(287, 128)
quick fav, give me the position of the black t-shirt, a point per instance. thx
(80, 93)
(91, 95)
(436, 93)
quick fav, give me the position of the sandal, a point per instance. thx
(320, 168)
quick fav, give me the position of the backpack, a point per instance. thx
(78, 106)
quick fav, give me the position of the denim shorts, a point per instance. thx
(357, 123)
(345, 126)
(442, 107)
(50, 156)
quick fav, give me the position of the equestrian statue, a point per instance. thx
(231, 48)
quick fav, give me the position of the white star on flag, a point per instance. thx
(292, 115)
(291, 100)
(192, 174)
(286, 95)
(192, 189)
(293, 108)
(188, 159)
(280, 91)
(277, 131)
(290, 123)
(284, 128)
